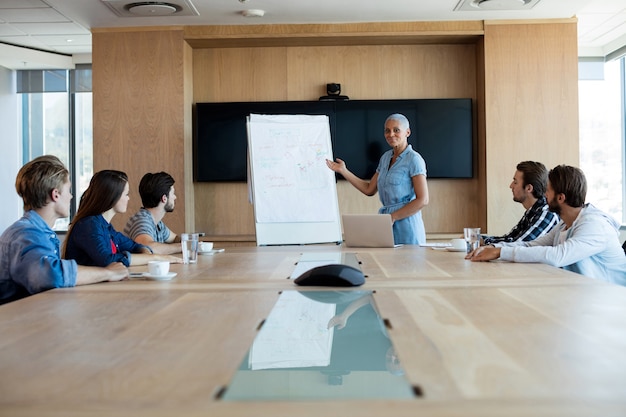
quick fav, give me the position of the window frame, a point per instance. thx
(77, 81)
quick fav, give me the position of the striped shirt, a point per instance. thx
(142, 223)
(537, 221)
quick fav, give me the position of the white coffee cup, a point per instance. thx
(158, 268)
(459, 244)
(205, 246)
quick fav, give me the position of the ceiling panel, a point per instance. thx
(63, 26)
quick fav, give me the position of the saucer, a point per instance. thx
(210, 252)
(165, 277)
(451, 249)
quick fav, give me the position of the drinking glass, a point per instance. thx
(472, 237)
(189, 242)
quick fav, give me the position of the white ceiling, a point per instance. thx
(63, 26)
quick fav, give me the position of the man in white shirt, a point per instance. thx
(585, 241)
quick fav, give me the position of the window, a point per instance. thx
(56, 114)
(602, 140)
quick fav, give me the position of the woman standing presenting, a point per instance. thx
(91, 239)
(400, 180)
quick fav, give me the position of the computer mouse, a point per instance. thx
(333, 275)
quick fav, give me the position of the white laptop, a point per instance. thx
(368, 230)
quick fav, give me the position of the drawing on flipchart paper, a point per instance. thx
(290, 178)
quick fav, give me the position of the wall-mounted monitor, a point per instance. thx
(441, 131)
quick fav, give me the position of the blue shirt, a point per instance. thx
(30, 260)
(92, 240)
(395, 189)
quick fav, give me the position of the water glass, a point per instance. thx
(472, 237)
(189, 242)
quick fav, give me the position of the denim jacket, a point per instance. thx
(30, 260)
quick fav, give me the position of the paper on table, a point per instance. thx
(295, 334)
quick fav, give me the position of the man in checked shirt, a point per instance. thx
(529, 188)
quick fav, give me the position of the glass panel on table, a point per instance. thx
(321, 345)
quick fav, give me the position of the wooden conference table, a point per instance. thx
(483, 339)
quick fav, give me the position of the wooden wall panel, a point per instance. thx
(240, 74)
(223, 209)
(189, 192)
(383, 72)
(369, 33)
(481, 147)
(531, 99)
(365, 72)
(139, 110)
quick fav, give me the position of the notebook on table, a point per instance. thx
(368, 230)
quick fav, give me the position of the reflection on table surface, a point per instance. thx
(321, 345)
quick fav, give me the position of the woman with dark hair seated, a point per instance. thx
(92, 240)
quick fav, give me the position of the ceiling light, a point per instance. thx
(152, 8)
(137, 8)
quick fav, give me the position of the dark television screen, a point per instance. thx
(441, 131)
